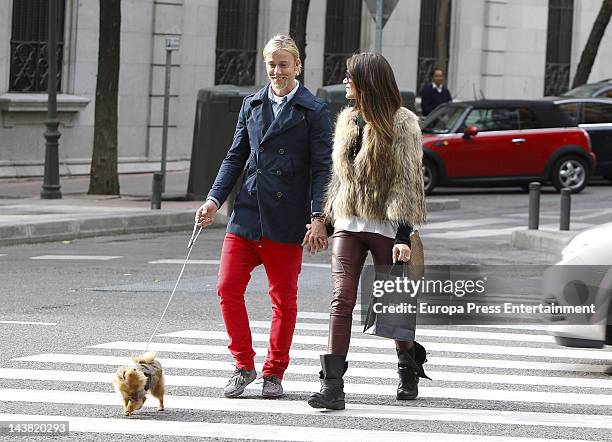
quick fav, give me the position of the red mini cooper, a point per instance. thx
(505, 143)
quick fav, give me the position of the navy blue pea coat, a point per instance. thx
(286, 163)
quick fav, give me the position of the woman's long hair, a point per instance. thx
(377, 96)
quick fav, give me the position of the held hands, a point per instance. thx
(401, 252)
(315, 239)
(205, 215)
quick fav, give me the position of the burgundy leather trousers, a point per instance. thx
(349, 252)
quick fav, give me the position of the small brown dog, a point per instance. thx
(132, 383)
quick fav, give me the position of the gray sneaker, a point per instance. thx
(272, 387)
(238, 382)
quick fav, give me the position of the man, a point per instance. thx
(434, 94)
(283, 142)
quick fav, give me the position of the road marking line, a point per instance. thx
(431, 346)
(353, 410)
(2, 254)
(459, 334)
(76, 257)
(305, 354)
(217, 262)
(357, 317)
(247, 431)
(362, 372)
(478, 394)
(456, 224)
(28, 323)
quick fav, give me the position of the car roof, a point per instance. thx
(505, 103)
(580, 100)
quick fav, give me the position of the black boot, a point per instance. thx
(410, 369)
(331, 395)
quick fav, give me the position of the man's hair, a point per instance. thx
(436, 68)
(286, 43)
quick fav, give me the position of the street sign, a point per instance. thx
(173, 43)
(388, 7)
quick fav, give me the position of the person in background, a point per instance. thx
(435, 93)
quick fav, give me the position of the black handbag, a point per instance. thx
(398, 325)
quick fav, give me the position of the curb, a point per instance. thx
(433, 205)
(542, 240)
(143, 222)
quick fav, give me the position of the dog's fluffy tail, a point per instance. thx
(145, 358)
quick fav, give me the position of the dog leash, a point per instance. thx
(194, 238)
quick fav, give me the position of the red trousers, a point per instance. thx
(283, 263)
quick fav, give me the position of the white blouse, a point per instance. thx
(356, 224)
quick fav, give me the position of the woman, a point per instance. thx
(374, 198)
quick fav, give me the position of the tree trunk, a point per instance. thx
(104, 178)
(297, 29)
(592, 45)
(442, 33)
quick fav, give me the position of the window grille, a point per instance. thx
(558, 46)
(428, 54)
(342, 37)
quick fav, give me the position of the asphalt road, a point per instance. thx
(70, 313)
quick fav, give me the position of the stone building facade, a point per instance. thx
(497, 49)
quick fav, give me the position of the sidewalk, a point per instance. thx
(25, 218)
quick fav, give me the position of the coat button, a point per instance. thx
(259, 171)
(281, 151)
(279, 172)
(261, 149)
(279, 194)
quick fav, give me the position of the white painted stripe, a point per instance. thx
(301, 408)
(77, 257)
(442, 333)
(2, 254)
(357, 318)
(306, 354)
(382, 373)
(247, 431)
(217, 262)
(28, 323)
(457, 224)
(431, 346)
(477, 394)
(314, 354)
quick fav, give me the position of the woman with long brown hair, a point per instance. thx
(374, 199)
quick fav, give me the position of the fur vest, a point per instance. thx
(377, 186)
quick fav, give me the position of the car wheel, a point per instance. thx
(430, 176)
(571, 172)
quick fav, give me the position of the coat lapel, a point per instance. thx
(261, 114)
(291, 114)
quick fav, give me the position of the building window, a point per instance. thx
(428, 51)
(342, 37)
(558, 46)
(236, 42)
(29, 59)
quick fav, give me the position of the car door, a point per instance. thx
(597, 121)
(490, 153)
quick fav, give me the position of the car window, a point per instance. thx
(527, 118)
(586, 90)
(571, 110)
(597, 113)
(442, 120)
(493, 119)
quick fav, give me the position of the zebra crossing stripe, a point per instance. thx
(477, 394)
(314, 354)
(199, 364)
(431, 346)
(363, 372)
(75, 257)
(28, 323)
(440, 333)
(357, 318)
(248, 431)
(217, 262)
(519, 418)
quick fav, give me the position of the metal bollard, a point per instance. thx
(566, 205)
(534, 205)
(156, 194)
